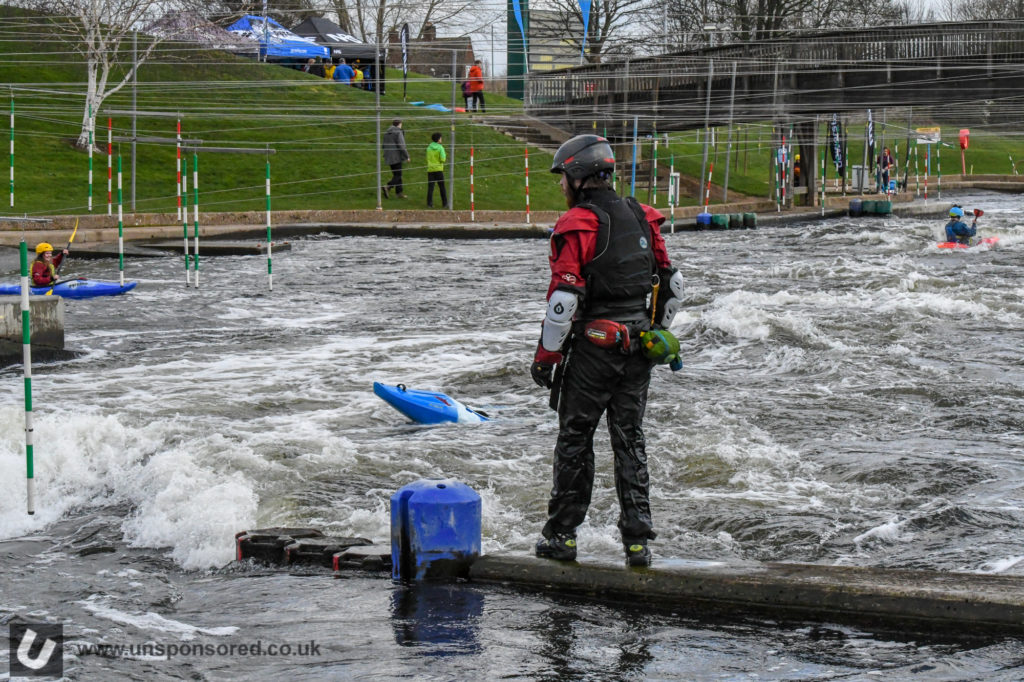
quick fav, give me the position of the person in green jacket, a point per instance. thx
(435, 170)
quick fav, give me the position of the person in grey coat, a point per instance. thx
(395, 155)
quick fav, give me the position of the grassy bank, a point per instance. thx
(323, 137)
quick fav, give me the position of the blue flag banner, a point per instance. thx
(518, 12)
(585, 11)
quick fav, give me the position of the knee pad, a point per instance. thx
(558, 322)
(671, 304)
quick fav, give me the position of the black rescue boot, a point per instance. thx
(560, 547)
(638, 554)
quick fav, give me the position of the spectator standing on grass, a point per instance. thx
(435, 170)
(395, 154)
(476, 87)
(343, 73)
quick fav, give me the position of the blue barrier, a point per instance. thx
(435, 530)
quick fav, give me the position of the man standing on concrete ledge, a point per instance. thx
(607, 252)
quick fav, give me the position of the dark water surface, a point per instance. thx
(851, 395)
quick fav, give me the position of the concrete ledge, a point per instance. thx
(46, 317)
(964, 604)
(47, 320)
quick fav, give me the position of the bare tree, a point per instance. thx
(285, 12)
(341, 11)
(692, 24)
(914, 12)
(975, 10)
(371, 20)
(96, 29)
(607, 27)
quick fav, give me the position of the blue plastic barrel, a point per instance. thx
(892, 186)
(435, 530)
(703, 220)
(856, 207)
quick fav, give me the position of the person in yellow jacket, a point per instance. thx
(329, 70)
(435, 170)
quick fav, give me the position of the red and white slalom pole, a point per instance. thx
(12, 150)
(110, 166)
(526, 161)
(472, 204)
(707, 190)
(178, 151)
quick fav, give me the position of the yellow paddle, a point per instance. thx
(57, 271)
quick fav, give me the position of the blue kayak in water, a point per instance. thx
(427, 407)
(73, 288)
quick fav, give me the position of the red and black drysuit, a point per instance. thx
(610, 261)
(44, 274)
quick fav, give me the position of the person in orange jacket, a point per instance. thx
(476, 88)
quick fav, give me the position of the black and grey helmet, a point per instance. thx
(583, 156)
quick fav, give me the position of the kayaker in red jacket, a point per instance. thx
(44, 267)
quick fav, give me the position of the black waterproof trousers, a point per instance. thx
(395, 183)
(596, 381)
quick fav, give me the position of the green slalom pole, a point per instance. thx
(270, 267)
(12, 149)
(184, 216)
(824, 154)
(195, 215)
(654, 175)
(120, 224)
(26, 341)
(673, 194)
(90, 157)
(604, 134)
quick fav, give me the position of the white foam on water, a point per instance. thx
(889, 532)
(79, 458)
(191, 497)
(154, 622)
(1000, 565)
(188, 506)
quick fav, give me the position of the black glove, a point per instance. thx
(542, 373)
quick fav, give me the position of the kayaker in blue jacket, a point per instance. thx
(957, 230)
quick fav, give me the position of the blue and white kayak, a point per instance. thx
(73, 288)
(427, 407)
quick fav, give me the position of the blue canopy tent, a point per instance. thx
(275, 41)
